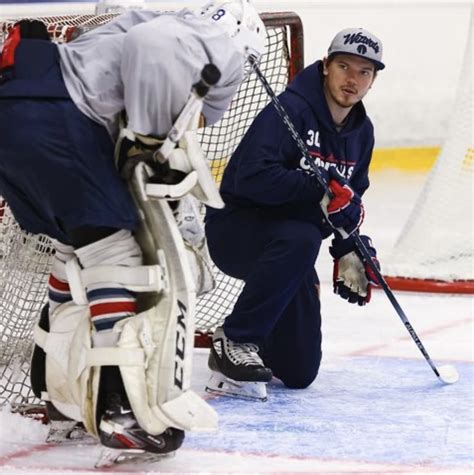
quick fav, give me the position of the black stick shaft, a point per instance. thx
(358, 241)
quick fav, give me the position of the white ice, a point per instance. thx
(376, 406)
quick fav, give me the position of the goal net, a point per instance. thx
(435, 249)
(25, 259)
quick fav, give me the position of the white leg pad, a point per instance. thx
(65, 346)
(192, 231)
(154, 349)
(159, 390)
(160, 393)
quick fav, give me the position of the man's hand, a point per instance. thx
(352, 277)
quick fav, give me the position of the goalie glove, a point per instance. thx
(352, 277)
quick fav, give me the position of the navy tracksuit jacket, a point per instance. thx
(270, 231)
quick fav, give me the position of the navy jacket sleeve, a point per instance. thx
(360, 176)
(263, 173)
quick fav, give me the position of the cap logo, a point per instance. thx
(362, 49)
(363, 40)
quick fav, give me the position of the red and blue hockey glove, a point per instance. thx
(344, 210)
(352, 277)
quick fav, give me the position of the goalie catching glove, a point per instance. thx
(352, 277)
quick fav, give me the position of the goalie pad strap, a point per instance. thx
(108, 356)
(172, 192)
(137, 279)
(115, 357)
(40, 337)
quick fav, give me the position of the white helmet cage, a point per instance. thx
(241, 22)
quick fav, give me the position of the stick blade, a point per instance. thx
(448, 374)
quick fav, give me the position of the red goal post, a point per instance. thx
(25, 259)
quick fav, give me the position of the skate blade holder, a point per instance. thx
(248, 390)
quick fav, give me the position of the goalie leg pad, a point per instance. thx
(153, 349)
(206, 189)
(192, 231)
(65, 387)
(166, 329)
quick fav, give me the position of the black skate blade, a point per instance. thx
(110, 457)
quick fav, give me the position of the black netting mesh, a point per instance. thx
(25, 259)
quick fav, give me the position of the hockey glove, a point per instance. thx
(352, 277)
(133, 148)
(344, 209)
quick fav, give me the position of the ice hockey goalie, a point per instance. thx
(99, 152)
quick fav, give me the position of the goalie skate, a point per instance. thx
(223, 386)
(126, 441)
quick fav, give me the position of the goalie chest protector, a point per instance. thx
(31, 70)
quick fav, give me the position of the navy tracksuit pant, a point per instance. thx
(279, 306)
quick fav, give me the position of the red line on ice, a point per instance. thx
(25, 452)
(437, 329)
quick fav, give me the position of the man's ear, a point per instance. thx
(373, 79)
(325, 67)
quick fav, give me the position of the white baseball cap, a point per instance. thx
(358, 42)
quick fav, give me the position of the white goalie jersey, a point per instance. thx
(146, 63)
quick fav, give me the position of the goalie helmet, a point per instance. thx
(241, 22)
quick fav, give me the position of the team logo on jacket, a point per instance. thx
(344, 168)
(314, 148)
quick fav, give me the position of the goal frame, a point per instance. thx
(465, 287)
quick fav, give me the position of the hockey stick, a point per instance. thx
(447, 373)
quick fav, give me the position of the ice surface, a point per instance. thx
(376, 405)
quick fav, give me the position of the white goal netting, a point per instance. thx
(436, 243)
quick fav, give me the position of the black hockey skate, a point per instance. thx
(238, 361)
(125, 440)
(237, 369)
